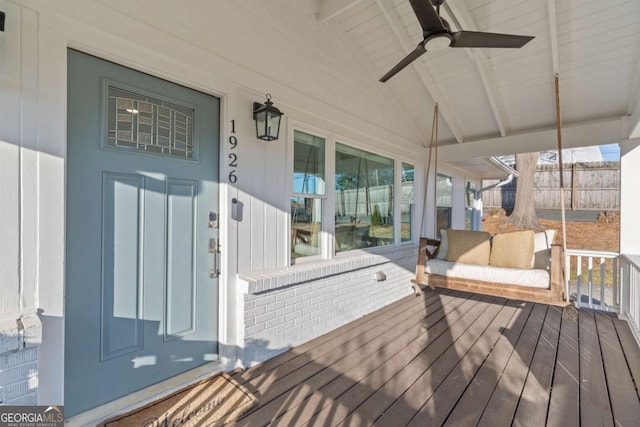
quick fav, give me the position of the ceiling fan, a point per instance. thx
(437, 35)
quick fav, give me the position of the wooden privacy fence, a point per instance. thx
(361, 202)
(588, 186)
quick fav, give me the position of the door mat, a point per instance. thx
(211, 402)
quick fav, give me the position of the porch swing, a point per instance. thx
(437, 270)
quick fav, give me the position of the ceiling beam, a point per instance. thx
(408, 45)
(634, 122)
(583, 134)
(634, 105)
(460, 15)
(329, 9)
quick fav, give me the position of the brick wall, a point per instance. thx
(19, 341)
(285, 316)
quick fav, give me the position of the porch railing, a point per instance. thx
(592, 279)
(630, 295)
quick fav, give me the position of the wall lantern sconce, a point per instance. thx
(2, 17)
(267, 119)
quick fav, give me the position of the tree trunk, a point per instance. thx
(524, 212)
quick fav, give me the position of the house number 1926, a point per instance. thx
(233, 157)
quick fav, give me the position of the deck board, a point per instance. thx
(454, 358)
(622, 393)
(504, 399)
(595, 408)
(564, 403)
(470, 407)
(629, 344)
(532, 408)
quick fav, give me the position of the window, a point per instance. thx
(372, 204)
(407, 202)
(444, 201)
(139, 122)
(364, 199)
(308, 194)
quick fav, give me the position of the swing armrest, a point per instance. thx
(423, 253)
(424, 249)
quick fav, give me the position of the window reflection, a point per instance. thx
(364, 199)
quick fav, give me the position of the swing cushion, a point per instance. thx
(512, 250)
(484, 273)
(469, 247)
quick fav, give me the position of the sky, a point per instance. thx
(610, 152)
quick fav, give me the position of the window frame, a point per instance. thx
(470, 188)
(412, 204)
(444, 206)
(324, 232)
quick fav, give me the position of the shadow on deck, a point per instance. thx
(458, 359)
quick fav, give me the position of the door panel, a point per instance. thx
(181, 291)
(142, 177)
(121, 297)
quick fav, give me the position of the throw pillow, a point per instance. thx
(512, 250)
(444, 245)
(542, 242)
(468, 247)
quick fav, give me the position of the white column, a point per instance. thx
(629, 200)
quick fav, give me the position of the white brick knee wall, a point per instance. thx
(284, 316)
(19, 341)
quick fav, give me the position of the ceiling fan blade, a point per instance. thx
(427, 15)
(479, 39)
(415, 54)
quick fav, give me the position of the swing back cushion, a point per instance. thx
(542, 242)
(512, 250)
(468, 247)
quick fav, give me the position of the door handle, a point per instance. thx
(214, 248)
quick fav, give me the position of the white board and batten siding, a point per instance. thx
(19, 188)
(236, 50)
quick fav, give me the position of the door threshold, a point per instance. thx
(146, 395)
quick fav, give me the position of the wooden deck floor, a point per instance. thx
(455, 359)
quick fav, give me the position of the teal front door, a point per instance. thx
(141, 304)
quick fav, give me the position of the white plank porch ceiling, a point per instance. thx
(488, 93)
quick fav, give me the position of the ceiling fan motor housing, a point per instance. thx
(437, 42)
